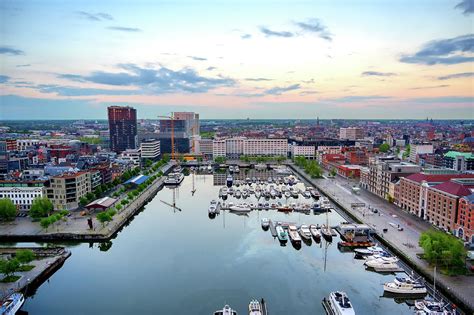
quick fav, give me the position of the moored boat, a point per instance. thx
(281, 234)
(431, 307)
(265, 223)
(12, 304)
(229, 180)
(338, 303)
(227, 310)
(382, 265)
(255, 308)
(305, 232)
(315, 232)
(405, 287)
(174, 179)
(240, 208)
(293, 233)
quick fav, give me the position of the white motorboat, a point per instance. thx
(293, 233)
(231, 190)
(338, 303)
(382, 257)
(405, 287)
(245, 193)
(287, 194)
(174, 179)
(240, 208)
(315, 232)
(381, 265)
(273, 193)
(255, 308)
(227, 310)
(237, 193)
(214, 207)
(324, 203)
(307, 194)
(12, 304)
(224, 191)
(305, 232)
(431, 307)
(236, 169)
(265, 223)
(372, 250)
(209, 168)
(231, 169)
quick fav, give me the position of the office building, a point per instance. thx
(122, 128)
(150, 149)
(351, 133)
(66, 190)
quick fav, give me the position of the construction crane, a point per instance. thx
(172, 119)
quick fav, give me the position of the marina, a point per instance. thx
(228, 241)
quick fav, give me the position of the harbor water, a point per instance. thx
(179, 261)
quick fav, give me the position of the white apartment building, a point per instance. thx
(270, 147)
(235, 147)
(416, 149)
(24, 144)
(22, 194)
(218, 148)
(308, 151)
(351, 133)
(131, 155)
(150, 149)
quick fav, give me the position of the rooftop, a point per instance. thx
(454, 154)
(436, 178)
(454, 188)
(137, 180)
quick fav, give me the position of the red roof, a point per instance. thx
(455, 188)
(334, 157)
(436, 178)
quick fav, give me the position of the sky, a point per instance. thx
(333, 59)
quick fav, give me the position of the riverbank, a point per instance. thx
(47, 262)
(404, 244)
(75, 228)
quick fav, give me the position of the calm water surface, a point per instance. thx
(182, 262)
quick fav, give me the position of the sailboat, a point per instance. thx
(326, 231)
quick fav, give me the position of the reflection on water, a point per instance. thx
(177, 262)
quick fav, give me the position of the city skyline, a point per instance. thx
(259, 60)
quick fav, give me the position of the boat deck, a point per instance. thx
(327, 307)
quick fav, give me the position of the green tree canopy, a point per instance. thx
(25, 256)
(7, 209)
(41, 207)
(384, 147)
(9, 267)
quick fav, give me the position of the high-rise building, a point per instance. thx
(351, 133)
(122, 128)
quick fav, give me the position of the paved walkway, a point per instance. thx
(77, 224)
(405, 241)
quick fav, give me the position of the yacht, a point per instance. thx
(237, 193)
(255, 308)
(229, 180)
(224, 191)
(326, 232)
(174, 179)
(294, 236)
(307, 194)
(231, 190)
(324, 203)
(281, 234)
(227, 310)
(265, 223)
(236, 169)
(287, 194)
(245, 193)
(240, 208)
(214, 207)
(405, 287)
(12, 304)
(231, 169)
(305, 232)
(384, 256)
(338, 303)
(383, 265)
(315, 232)
(372, 250)
(209, 168)
(431, 307)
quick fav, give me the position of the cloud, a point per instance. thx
(160, 80)
(4, 78)
(257, 79)
(279, 90)
(467, 6)
(429, 87)
(445, 99)
(445, 51)
(75, 91)
(211, 68)
(246, 36)
(197, 58)
(5, 50)
(378, 74)
(315, 26)
(303, 93)
(24, 65)
(269, 33)
(457, 75)
(124, 29)
(94, 16)
(358, 98)
(310, 81)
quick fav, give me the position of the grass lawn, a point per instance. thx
(10, 279)
(26, 268)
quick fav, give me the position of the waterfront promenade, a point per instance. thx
(75, 227)
(404, 243)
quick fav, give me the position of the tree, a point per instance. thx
(384, 147)
(83, 201)
(7, 210)
(333, 172)
(104, 217)
(407, 151)
(25, 256)
(9, 267)
(41, 207)
(442, 249)
(220, 160)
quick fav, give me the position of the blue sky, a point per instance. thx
(229, 59)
